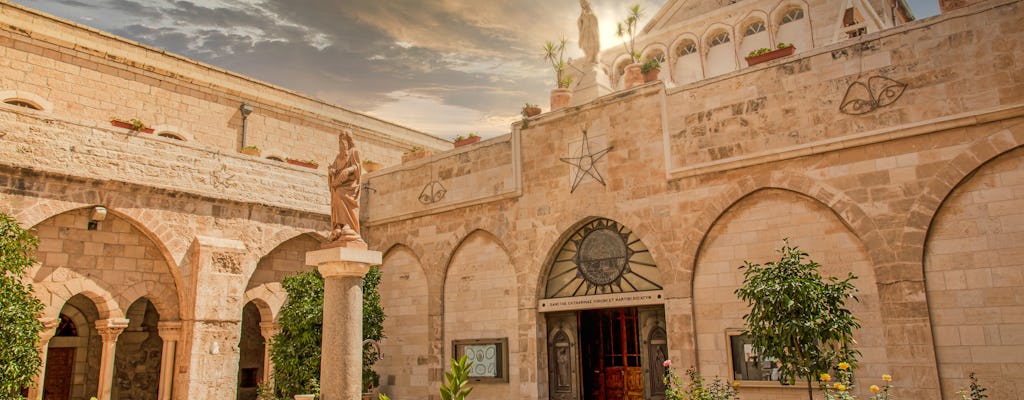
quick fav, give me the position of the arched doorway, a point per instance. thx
(251, 349)
(604, 310)
(138, 355)
(73, 354)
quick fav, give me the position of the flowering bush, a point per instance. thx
(842, 387)
(696, 389)
(973, 392)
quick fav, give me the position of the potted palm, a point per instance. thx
(632, 74)
(765, 54)
(555, 54)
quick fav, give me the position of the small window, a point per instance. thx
(66, 327)
(22, 103)
(792, 15)
(747, 363)
(170, 135)
(489, 357)
(656, 55)
(720, 38)
(273, 158)
(686, 48)
(754, 28)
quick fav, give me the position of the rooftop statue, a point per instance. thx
(344, 177)
(590, 35)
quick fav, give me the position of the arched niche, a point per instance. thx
(138, 355)
(404, 297)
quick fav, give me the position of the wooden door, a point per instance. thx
(60, 362)
(623, 383)
(654, 350)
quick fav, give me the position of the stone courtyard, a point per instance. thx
(161, 274)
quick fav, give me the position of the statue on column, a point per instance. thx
(344, 178)
(590, 35)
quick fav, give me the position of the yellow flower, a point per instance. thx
(844, 366)
(887, 378)
(825, 377)
(874, 389)
(839, 386)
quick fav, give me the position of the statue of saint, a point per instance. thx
(590, 35)
(344, 178)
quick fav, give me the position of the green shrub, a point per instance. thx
(19, 310)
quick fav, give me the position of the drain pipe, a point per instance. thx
(245, 109)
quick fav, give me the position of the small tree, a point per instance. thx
(295, 349)
(373, 325)
(19, 310)
(797, 317)
(628, 27)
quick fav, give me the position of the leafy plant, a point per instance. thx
(696, 389)
(797, 317)
(414, 149)
(974, 391)
(555, 54)
(653, 63)
(373, 325)
(628, 28)
(19, 309)
(455, 388)
(782, 45)
(251, 147)
(136, 124)
(765, 50)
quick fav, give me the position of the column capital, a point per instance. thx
(110, 329)
(343, 261)
(268, 329)
(169, 330)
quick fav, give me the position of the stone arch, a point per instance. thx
(156, 293)
(800, 33)
(266, 301)
(718, 58)
(480, 300)
(288, 256)
(55, 294)
(689, 67)
(37, 101)
(937, 190)
(751, 229)
(746, 40)
(161, 130)
(972, 277)
(845, 208)
(404, 292)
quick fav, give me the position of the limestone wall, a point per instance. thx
(90, 76)
(719, 172)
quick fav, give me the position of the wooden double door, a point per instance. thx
(608, 354)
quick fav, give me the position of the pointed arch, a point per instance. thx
(788, 29)
(686, 59)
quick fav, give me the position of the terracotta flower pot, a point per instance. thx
(531, 111)
(467, 141)
(560, 98)
(771, 55)
(129, 126)
(652, 75)
(250, 151)
(632, 76)
(302, 163)
(371, 166)
(415, 155)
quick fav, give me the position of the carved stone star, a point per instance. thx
(586, 163)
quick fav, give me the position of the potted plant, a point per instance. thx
(632, 74)
(251, 150)
(531, 110)
(133, 124)
(651, 69)
(463, 141)
(414, 153)
(371, 166)
(307, 163)
(765, 54)
(555, 54)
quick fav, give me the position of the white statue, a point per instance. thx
(590, 35)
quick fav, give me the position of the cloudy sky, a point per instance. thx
(446, 67)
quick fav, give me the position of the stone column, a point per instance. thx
(49, 329)
(109, 330)
(170, 333)
(342, 350)
(268, 329)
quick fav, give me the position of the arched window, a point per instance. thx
(793, 14)
(719, 38)
(23, 103)
(274, 158)
(754, 28)
(687, 47)
(66, 327)
(171, 135)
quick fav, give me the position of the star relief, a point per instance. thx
(586, 163)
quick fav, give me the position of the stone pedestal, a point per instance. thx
(341, 356)
(593, 83)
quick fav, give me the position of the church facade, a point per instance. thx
(572, 257)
